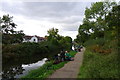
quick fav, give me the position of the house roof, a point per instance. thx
(29, 37)
(40, 38)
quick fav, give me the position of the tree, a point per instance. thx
(68, 43)
(113, 22)
(65, 43)
(53, 33)
(94, 24)
(9, 35)
(61, 42)
(7, 24)
(96, 16)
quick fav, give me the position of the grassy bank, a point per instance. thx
(47, 69)
(96, 65)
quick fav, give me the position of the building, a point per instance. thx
(34, 38)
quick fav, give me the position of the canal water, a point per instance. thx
(29, 67)
(17, 71)
(21, 67)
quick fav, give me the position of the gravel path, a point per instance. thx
(71, 69)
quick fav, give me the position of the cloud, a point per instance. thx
(12, 7)
(71, 33)
(71, 27)
(40, 10)
(38, 17)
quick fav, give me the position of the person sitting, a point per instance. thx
(59, 57)
(62, 55)
(68, 56)
(56, 61)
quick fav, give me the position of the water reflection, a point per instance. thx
(21, 70)
(12, 72)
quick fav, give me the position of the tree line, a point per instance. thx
(101, 25)
(13, 47)
(101, 21)
(99, 33)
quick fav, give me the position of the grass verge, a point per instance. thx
(47, 69)
(96, 65)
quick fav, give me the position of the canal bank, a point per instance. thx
(71, 69)
(47, 69)
(21, 70)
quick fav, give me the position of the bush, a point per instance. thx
(99, 46)
(100, 42)
(23, 50)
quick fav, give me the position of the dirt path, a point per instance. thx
(71, 69)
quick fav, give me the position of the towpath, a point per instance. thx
(71, 69)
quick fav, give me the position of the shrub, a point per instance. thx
(24, 50)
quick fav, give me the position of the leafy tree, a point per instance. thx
(9, 35)
(68, 42)
(94, 24)
(65, 43)
(113, 22)
(58, 41)
(53, 33)
(7, 24)
(96, 16)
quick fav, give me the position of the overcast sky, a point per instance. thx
(35, 17)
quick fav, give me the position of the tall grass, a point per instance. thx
(96, 65)
(100, 59)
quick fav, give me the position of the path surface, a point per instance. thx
(71, 69)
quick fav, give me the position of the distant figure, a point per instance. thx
(79, 49)
(62, 55)
(59, 57)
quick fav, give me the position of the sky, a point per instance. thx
(36, 17)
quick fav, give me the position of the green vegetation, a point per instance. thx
(99, 34)
(47, 69)
(96, 65)
(72, 53)
(9, 35)
(100, 22)
(24, 50)
(44, 71)
(28, 50)
(14, 49)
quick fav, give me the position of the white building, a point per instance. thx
(33, 38)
